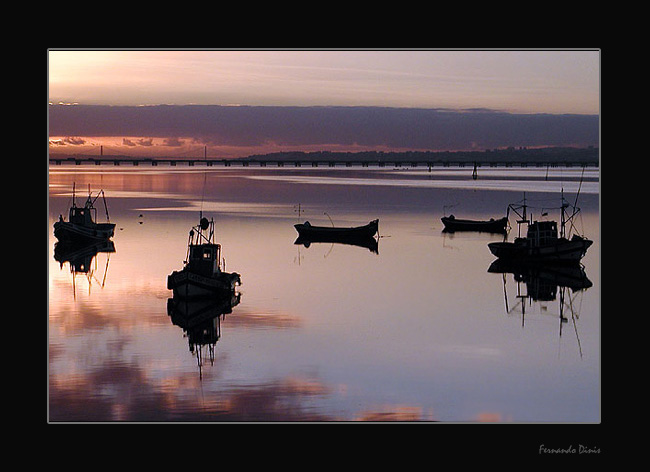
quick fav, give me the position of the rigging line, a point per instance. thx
(205, 178)
(575, 203)
(579, 187)
(575, 326)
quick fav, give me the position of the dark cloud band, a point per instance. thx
(436, 129)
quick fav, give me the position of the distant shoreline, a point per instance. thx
(589, 156)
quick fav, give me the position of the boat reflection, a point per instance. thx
(540, 283)
(80, 257)
(368, 242)
(200, 319)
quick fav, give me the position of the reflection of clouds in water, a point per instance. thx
(245, 319)
(394, 413)
(123, 194)
(310, 341)
(234, 208)
(122, 391)
(481, 352)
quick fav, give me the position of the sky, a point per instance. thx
(516, 82)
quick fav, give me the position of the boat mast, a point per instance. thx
(563, 220)
(523, 219)
(576, 210)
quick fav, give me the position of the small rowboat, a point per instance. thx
(487, 226)
(307, 231)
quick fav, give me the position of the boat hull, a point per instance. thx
(308, 231)
(562, 251)
(490, 226)
(66, 231)
(186, 284)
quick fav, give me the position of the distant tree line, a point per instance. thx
(588, 155)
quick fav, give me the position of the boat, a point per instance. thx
(81, 225)
(203, 274)
(543, 242)
(486, 226)
(340, 234)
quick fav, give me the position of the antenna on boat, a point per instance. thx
(523, 216)
(108, 218)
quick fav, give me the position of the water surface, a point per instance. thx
(421, 331)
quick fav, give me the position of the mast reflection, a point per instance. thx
(200, 319)
(539, 283)
(80, 257)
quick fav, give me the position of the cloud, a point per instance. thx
(172, 142)
(67, 140)
(145, 142)
(399, 128)
(75, 141)
(139, 142)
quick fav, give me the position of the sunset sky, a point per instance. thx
(528, 82)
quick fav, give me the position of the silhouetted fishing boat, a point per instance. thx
(486, 226)
(326, 233)
(81, 224)
(542, 242)
(203, 274)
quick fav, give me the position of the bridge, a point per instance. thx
(255, 162)
(510, 157)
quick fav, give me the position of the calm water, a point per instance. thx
(420, 331)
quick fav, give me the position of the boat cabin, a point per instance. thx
(542, 232)
(204, 259)
(81, 216)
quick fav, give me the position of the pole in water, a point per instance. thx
(475, 173)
